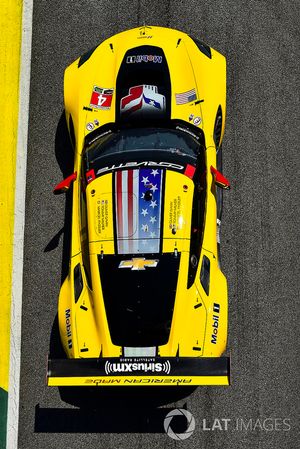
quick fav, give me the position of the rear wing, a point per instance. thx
(139, 371)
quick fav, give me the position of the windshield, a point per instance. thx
(174, 141)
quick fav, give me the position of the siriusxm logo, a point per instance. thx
(142, 367)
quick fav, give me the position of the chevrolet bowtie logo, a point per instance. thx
(138, 263)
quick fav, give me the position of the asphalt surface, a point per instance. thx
(260, 230)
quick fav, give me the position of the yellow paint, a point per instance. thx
(196, 330)
(178, 204)
(138, 381)
(100, 209)
(10, 43)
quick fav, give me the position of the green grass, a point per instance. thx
(3, 417)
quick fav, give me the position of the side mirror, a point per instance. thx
(64, 185)
(220, 180)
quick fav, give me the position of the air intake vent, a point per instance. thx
(218, 127)
(205, 49)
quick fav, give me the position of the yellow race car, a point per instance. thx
(145, 300)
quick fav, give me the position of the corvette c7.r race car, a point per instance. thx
(145, 301)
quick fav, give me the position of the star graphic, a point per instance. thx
(154, 172)
(145, 180)
(143, 195)
(151, 102)
(154, 188)
(145, 228)
(152, 235)
(144, 212)
(152, 219)
(153, 204)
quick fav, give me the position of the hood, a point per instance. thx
(131, 77)
(138, 211)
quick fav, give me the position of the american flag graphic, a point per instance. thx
(186, 97)
(138, 210)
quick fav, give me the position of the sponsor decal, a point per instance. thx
(102, 214)
(191, 116)
(167, 165)
(143, 58)
(142, 381)
(143, 98)
(99, 136)
(97, 123)
(197, 121)
(68, 327)
(215, 325)
(157, 381)
(102, 381)
(138, 263)
(90, 175)
(175, 215)
(90, 126)
(101, 98)
(186, 97)
(185, 130)
(137, 366)
(144, 37)
(216, 308)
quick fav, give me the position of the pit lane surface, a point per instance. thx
(260, 229)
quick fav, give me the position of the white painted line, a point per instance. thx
(19, 220)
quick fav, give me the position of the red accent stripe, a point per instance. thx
(119, 204)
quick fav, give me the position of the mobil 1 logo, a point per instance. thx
(215, 324)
